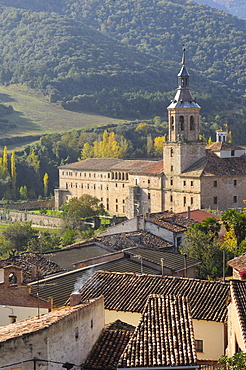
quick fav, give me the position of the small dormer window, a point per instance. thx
(232, 153)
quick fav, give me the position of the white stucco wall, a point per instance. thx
(212, 334)
(234, 331)
(57, 342)
(21, 313)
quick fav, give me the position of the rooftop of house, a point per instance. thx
(66, 257)
(171, 221)
(223, 145)
(212, 165)
(126, 240)
(199, 215)
(106, 352)
(33, 265)
(59, 287)
(173, 261)
(238, 263)
(34, 324)
(114, 164)
(164, 336)
(238, 294)
(129, 292)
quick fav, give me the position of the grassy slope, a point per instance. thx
(34, 115)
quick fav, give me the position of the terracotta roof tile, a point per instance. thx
(138, 238)
(212, 165)
(164, 336)
(238, 263)
(222, 145)
(129, 292)
(238, 293)
(35, 324)
(28, 262)
(171, 221)
(199, 215)
(107, 350)
(114, 164)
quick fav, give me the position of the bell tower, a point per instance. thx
(183, 112)
(183, 147)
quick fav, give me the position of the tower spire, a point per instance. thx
(184, 58)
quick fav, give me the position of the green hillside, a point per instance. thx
(33, 115)
(234, 7)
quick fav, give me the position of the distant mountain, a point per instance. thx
(126, 57)
(234, 7)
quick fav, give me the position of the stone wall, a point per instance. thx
(8, 216)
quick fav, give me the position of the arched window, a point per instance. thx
(181, 122)
(192, 124)
(172, 123)
(171, 152)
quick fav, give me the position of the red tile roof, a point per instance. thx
(199, 215)
(107, 350)
(164, 336)
(129, 292)
(114, 164)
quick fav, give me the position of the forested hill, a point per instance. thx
(234, 7)
(128, 62)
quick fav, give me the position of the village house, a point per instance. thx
(125, 295)
(61, 338)
(16, 301)
(190, 175)
(151, 344)
(238, 265)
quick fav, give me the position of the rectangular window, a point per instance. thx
(94, 186)
(106, 187)
(89, 174)
(148, 195)
(191, 200)
(116, 208)
(199, 345)
(101, 199)
(171, 182)
(233, 153)
(215, 184)
(123, 209)
(94, 175)
(184, 183)
(171, 198)
(123, 185)
(235, 199)
(184, 201)
(171, 168)
(116, 200)
(101, 187)
(148, 181)
(215, 200)
(116, 185)
(235, 182)
(88, 186)
(191, 183)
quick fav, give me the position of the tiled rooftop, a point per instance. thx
(131, 239)
(114, 164)
(174, 261)
(238, 263)
(129, 292)
(35, 324)
(107, 350)
(212, 165)
(29, 261)
(172, 221)
(164, 336)
(68, 256)
(238, 293)
(199, 215)
(222, 145)
(61, 286)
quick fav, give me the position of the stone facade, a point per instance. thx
(190, 174)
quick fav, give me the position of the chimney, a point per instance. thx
(188, 212)
(75, 299)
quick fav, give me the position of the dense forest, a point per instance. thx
(234, 7)
(127, 65)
